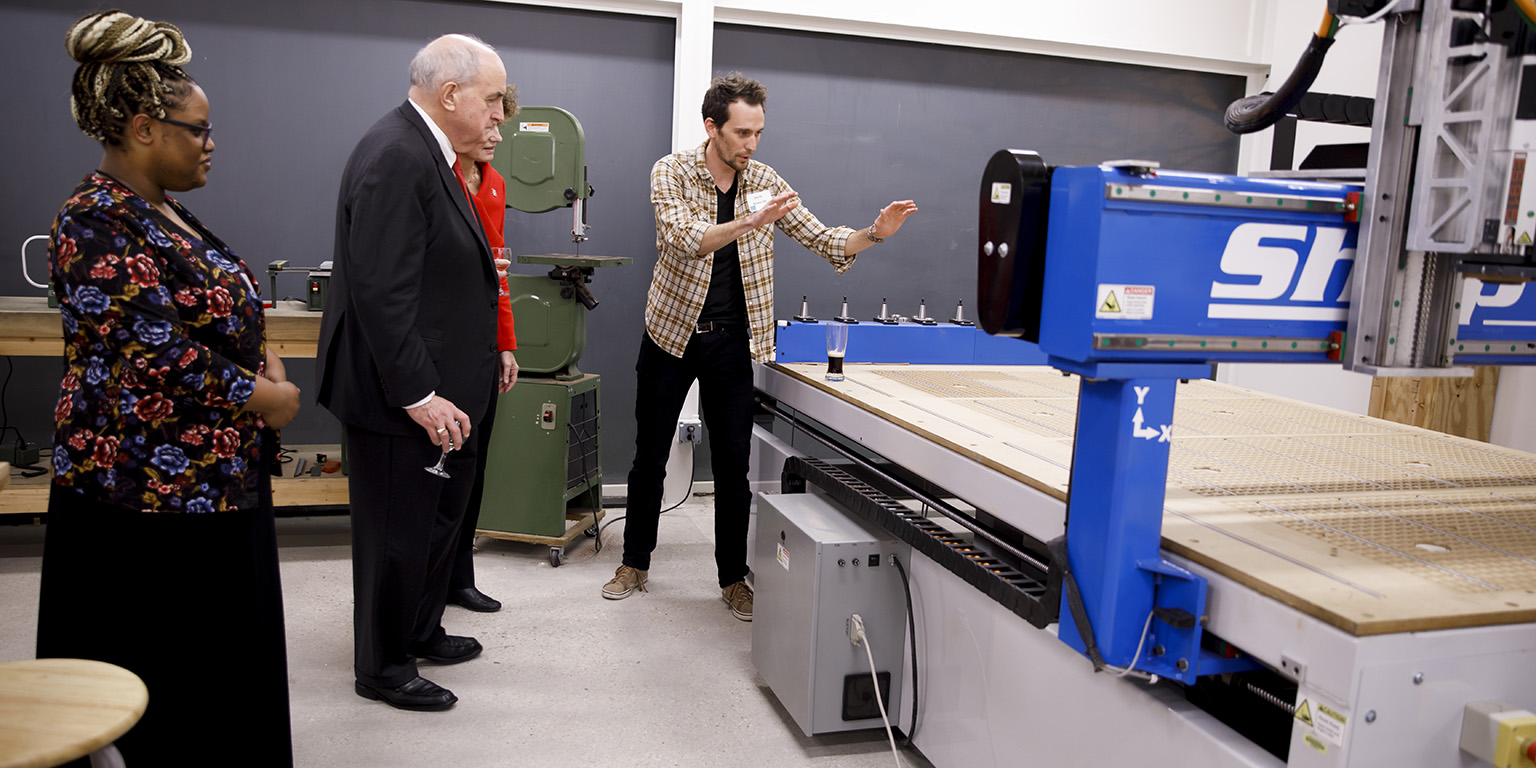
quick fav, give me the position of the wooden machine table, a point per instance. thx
(1371, 526)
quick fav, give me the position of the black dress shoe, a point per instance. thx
(418, 695)
(452, 649)
(473, 599)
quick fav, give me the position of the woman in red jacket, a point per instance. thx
(488, 191)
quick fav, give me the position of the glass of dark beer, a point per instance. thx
(837, 346)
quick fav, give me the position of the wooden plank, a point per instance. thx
(1461, 406)
(28, 327)
(30, 499)
(576, 523)
(1371, 526)
(328, 490)
(1469, 412)
(29, 496)
(1396, 398)
(16, 346)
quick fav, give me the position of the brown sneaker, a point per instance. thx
(739, 597)
(626, 581)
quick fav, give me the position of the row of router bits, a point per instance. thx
(885, 317)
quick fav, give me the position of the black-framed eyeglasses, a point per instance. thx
(205, 130)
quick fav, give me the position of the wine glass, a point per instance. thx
(438, 469)
(503, 259)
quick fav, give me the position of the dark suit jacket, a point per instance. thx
(411, 307)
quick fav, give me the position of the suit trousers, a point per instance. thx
(721, 361)
(463, 575)
(405, 525)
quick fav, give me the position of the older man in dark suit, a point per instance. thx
(408, 361)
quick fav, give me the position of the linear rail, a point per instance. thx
(927, 499)
(1036, 603)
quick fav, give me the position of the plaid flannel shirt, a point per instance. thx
(684, 194)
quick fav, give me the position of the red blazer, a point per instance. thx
(491, 204)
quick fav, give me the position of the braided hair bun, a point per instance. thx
(128, 65)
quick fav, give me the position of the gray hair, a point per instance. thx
(450, 58)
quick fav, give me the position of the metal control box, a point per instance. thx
(816, 566)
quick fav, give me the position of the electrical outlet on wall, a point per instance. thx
(690, 431)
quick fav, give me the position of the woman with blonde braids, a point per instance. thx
(160, 553)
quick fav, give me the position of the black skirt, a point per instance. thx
(193, 605)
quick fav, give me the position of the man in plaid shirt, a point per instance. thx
(709, 316)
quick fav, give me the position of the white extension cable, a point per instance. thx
(857, 636)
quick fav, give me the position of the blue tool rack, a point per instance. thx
(912, 343)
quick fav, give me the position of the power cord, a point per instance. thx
(857, 637)
(693, 471)
(906, 587)
(25, 470)
(1130, 669)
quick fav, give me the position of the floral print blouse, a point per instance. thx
(163, 336)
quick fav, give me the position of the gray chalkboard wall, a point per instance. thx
(293, 84)
(852, 124)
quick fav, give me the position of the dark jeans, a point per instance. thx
(721, 361)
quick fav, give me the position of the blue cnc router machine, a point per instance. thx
(1280, 584)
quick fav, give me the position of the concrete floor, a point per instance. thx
(664, 678)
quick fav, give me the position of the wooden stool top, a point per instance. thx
(55, 710)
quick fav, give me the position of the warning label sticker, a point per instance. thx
(1315, 744)
(783, 557)
(1329, 724)
(1125, 302)
(1303, 711)
(1002, 192)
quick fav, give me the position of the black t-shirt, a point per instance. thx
(726, 301)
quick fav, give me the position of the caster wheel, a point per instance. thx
(591, 532)
(556, 557)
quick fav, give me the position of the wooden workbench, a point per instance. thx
(1369, 525)
(28, 327)
(29, 495)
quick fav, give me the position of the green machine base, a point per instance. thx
(543, 461)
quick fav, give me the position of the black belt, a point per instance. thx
(710, 326)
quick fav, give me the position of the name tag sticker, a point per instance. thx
(758, 199)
